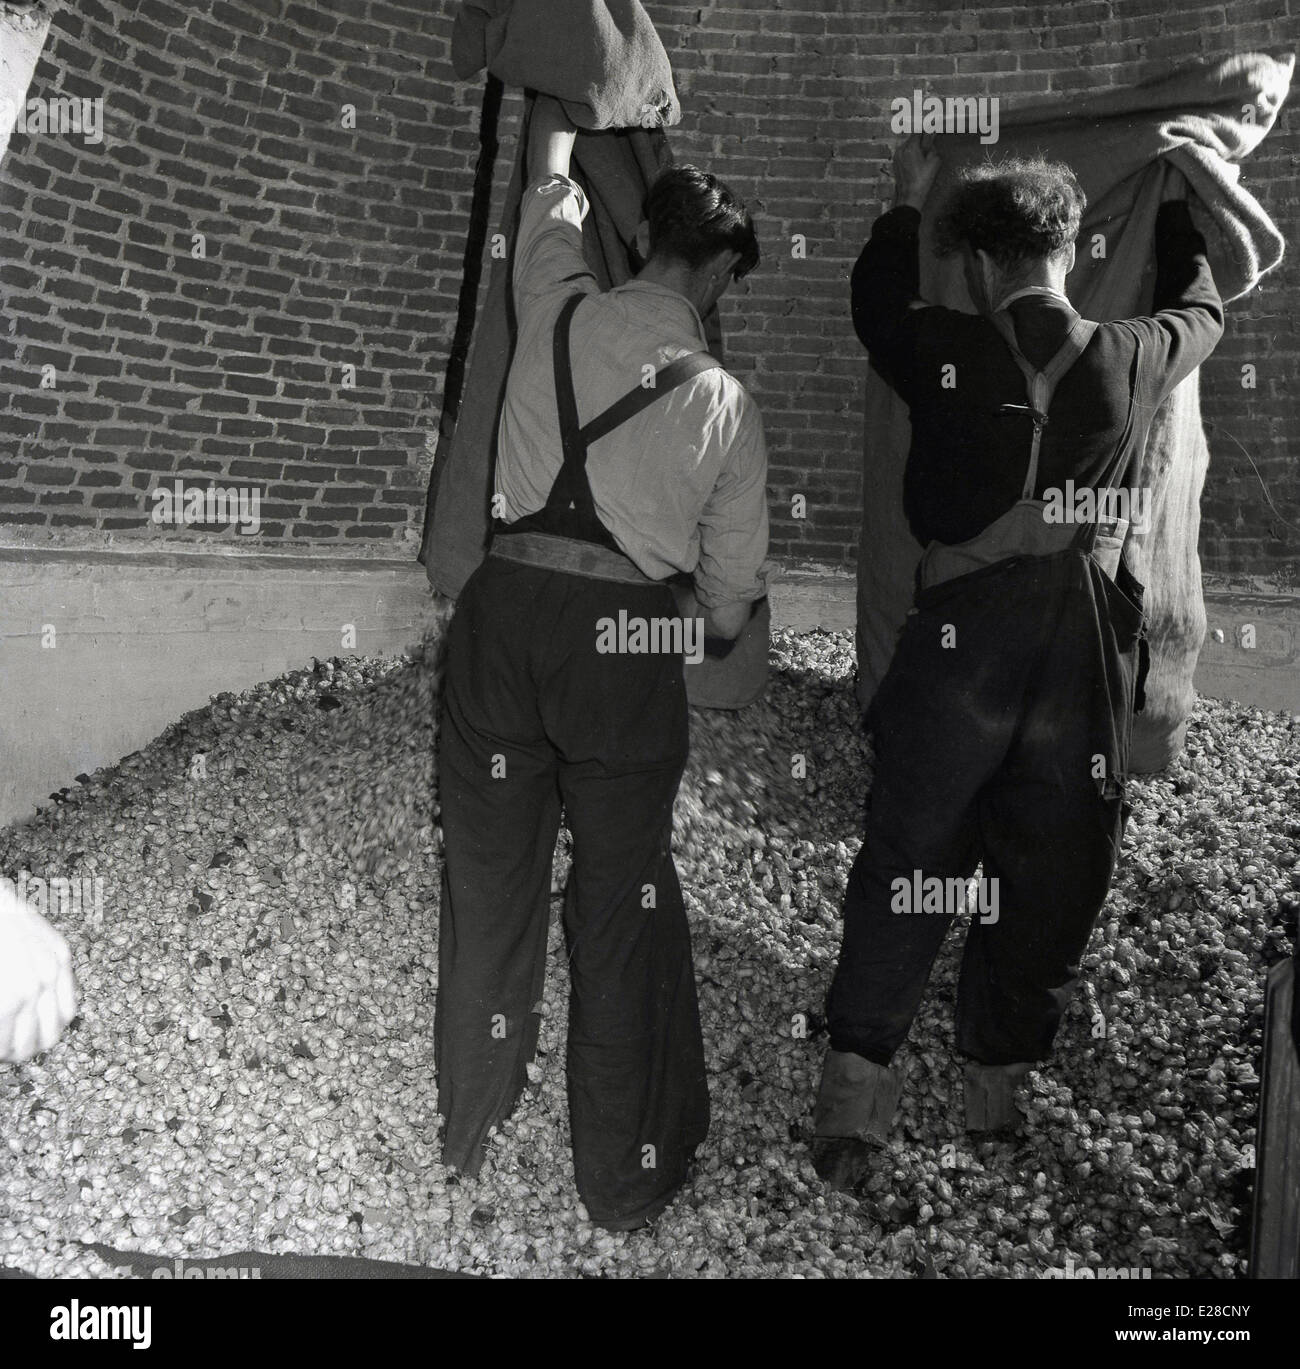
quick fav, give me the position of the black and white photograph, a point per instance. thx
(649, 641)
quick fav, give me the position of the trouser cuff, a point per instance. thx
(991, 1095)
(857, 1099)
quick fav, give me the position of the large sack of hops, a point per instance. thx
(1164, 558)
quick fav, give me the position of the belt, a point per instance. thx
(1021, 531)
(550, 552)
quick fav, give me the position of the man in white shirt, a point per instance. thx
(626, 456)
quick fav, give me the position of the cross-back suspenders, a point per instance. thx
(1041, 384)
(572, 489)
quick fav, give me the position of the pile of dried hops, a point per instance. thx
(253, 1064)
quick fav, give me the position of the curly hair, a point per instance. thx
(1017, 210)
(693, 216)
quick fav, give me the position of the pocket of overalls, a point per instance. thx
(1108, 546)
(1126, 618)
(1125, 595)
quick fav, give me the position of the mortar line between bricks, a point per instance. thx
(207, 560)
(180, 387)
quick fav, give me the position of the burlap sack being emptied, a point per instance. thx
(1202, 119)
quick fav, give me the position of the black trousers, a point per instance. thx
(534, 717)
(1001, 734)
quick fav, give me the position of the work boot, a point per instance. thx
(855, 1109)
(991, 1097)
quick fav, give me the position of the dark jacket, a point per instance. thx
(967, 461)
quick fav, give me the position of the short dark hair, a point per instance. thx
(1017, 210)
(693, 216)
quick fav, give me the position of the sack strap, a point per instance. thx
(1042, 384)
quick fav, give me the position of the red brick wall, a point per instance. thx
(329, 247)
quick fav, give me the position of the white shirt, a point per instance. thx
(682, 486)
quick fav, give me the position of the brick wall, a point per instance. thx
(793, 102)
(325, 248)
(328, 247)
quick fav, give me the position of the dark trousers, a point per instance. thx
(1001, 734)
(535, 717)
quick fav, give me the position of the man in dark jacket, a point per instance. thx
(627, 456)
(1002, 727)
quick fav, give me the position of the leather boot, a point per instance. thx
(855, 1109)
(991, 1097)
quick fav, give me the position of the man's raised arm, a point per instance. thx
(887, 278)
(548, 247)
(1188, 318)
(550, 139)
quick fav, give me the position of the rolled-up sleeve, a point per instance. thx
(733, 565)
(548, 245)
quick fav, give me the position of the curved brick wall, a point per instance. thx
(325, 247)
(329, 247)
